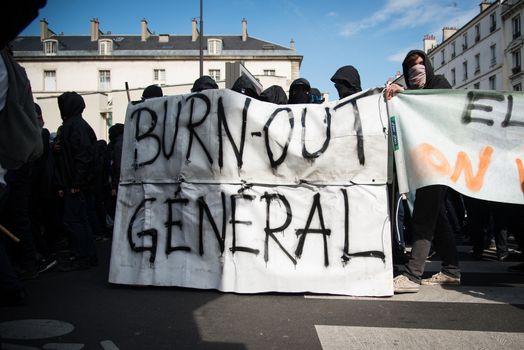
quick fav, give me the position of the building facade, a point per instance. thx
(99, 65)
(485, 53)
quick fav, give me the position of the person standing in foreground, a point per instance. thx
(429, 222)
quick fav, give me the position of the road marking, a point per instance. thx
(439, 294)
(108, 345)
(34, 329)
(353, 338)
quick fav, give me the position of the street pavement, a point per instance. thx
(80, 310)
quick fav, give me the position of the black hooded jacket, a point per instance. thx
(432, 81)
(245, 86)
(205, 82)
(347, 81)
(274, 94)
(299, 91)
(77, 143)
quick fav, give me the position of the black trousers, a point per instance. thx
(430, 224)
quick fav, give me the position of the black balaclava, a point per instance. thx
(347, 81)
(152, 91)
(245, 86)
(299, 91)
(274, 94)
(429, 69)
(205, 82)
(70, 104)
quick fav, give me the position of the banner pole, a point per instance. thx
(396, 143)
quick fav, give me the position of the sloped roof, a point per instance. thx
(128, 44)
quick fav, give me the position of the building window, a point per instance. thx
(477, 33)
(453, 50)
(270, 72)
(442, 57)
(465, 42)
(515, 22)
(492, 83)
(214, 46)
(105, 47)
(453, 77)
(50, 47)
(465, 69)
(492, 22)
(159, 76)
(476, 86)
(493, 50)
(215, 74)
(49, 80)
(104, 80)
(516, 62)
(477, 63)
(517, 87)
(433, 61)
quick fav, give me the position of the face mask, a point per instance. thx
(417, 76)
(298, 95)
(344, 90)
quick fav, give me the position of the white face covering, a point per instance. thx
(417, 76)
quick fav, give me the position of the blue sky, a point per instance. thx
(371, 35)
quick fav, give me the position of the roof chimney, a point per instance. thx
(292, 44)
(429, 42)
(244, 29)
(447, 32)
(194, 30)
(44, 30)
(95, 29)
(484, 5)
(144, 31)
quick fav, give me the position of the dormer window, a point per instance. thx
(105, 47)
(214, 46)
(50, 47)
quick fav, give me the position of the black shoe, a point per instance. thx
(503, 256)
(45, 264)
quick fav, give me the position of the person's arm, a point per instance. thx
(392, 90)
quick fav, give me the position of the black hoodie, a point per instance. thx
(347, 81)
(299, 91)
(432, 81)
(245, 86)
(274, 94)
(77, 143)
(205, 82)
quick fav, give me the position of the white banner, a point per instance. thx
(471, 141)
(225, 192)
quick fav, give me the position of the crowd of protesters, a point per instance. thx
(62, 202)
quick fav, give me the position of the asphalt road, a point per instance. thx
(80, 310)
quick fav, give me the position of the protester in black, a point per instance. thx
(76, 156)
(152, 91)
(205, 82)
(299, 91)
(347, 81)
(429, 222)
(116, 139)
(315, 96)
(274, 94)
(245, 86)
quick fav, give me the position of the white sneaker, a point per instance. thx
(402, 284)
(441, 278)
